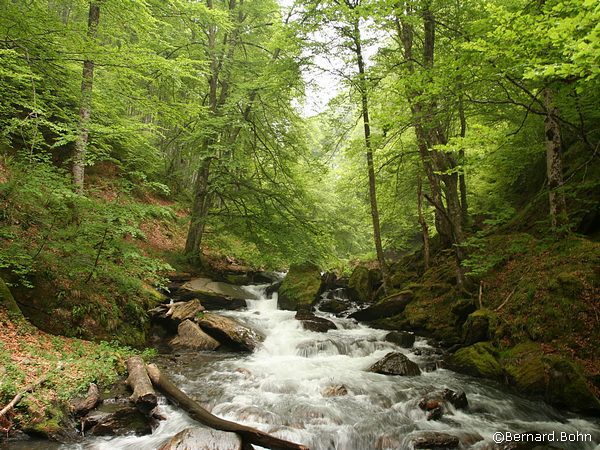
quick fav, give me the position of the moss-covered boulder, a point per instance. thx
(7, 301)
(558, 380)
(479, 326)
(301, 287)
(479, 360)
(386, 307)
(360, 285)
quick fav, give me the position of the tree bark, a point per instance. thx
(197, 412)
(143, 395)
(369, 152)
(554, 170)
(422, 222)
(85, 108)
(461, 154)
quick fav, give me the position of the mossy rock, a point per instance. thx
(480, 360)
(52, 422)
(479, 326)
(7, 301)
(360, 284)
(301, 287)
(558, 380)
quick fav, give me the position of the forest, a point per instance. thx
(385, 170)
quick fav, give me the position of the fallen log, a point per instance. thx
(143, 395)
(197, 412)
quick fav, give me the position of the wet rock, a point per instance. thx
(435, 413)
(334, 306)
(273, 288)
(456, 399)
(203, 439)
(387, 307)
(433, 440)
(311, 322)
(230, 331)
(301, 287)
(401, 338)
(124, 420)
(395, 363)
(190, 335)
(335, 391)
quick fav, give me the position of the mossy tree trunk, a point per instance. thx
(7, 301)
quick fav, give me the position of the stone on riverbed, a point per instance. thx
(401, 338)
(190, 335)
(203, 439)
(396, 363)
(311, 322)
(122, 421)
(229, 331)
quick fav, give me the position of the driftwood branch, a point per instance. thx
(197, 412)
(29, 388)
(143, 395)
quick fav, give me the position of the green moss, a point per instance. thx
(7, 301)
(558, 380)
(360, 283)
(301, 286)
(478, 360)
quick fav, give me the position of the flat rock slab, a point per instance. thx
(388, 307)
(190, 335)
(229, 331)
(203, 439)
(218, 288)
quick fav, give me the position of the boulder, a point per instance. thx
(301, 287)
(461, 309)
(229, 331)
(456, 399)
(435, 440)
(558, 380)
(360, 284)
(214, 294)
(479, 360)
(203, 439)
(402, 338)
(386, 307)
(7, 300)
(395, 363)
(311, 322)
(334, 306)
(184, 310)
(477, 327)
(190, 335)
(122, 421)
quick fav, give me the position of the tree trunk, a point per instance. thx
(143, 395)
(422, 222)
(558, 205)
(199, 212)
(461, 154)
(85, 108)
(369, 151)
(197, 412)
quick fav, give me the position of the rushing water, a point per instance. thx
(279, 389)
